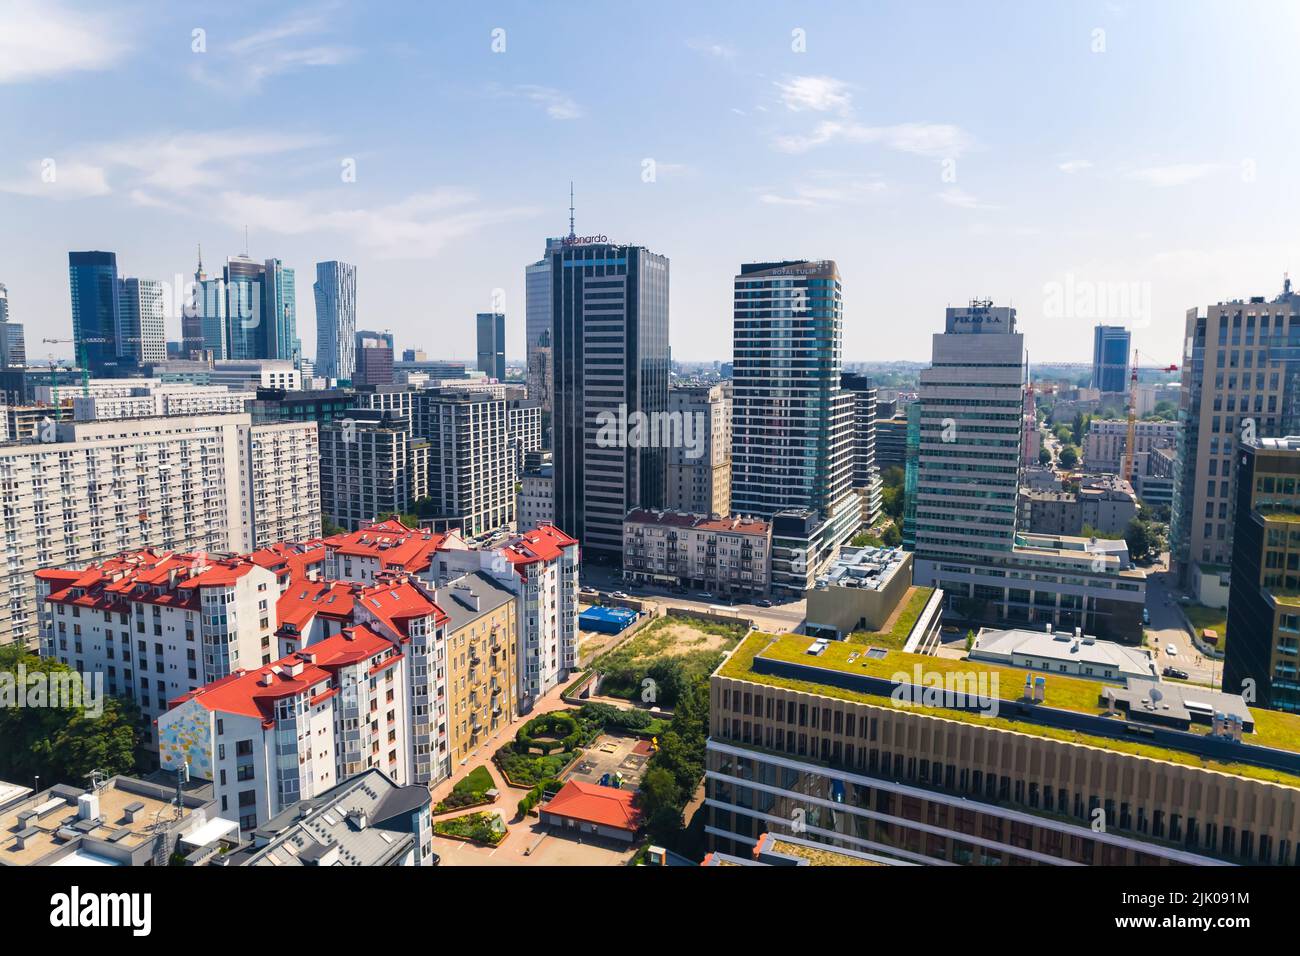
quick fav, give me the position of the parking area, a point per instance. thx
(610, 755)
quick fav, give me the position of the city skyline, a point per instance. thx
(896, 167)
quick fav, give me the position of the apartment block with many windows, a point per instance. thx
(173, 484)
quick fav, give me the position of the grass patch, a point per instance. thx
(896, 636)
(469, 791)
(672, 651)
(1272, 728)
(1203, 617)
(486, 828)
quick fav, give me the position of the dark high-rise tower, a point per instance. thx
(96, 311)
(492, 345)
(609, 336)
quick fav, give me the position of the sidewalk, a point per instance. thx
(490, 745)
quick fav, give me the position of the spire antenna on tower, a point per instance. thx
(572, 234)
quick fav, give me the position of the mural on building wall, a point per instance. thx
(185, 734)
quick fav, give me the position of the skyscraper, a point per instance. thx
(92, 278)
(13, 347)
(261, 310)
(1241, 372)
(492, 345)
(141, 316)
(204, 324)
(792, 424)
(609, 337)
(866, 476)
(961, 512)
(336, 319)
(1110, 345)
(969, 453)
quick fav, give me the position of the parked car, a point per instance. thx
(1175, 672)
(762, 602)
(1171, 650)
(587, 589)
(619, 594)
(705, 595)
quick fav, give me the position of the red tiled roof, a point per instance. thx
(303, 600)
(544, 543)
(393, 543)
(245, 693)
(292, 559)
(397, 602)
(592, 803)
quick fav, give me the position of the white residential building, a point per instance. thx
(158, 625)
(372, 696)
(540, 567)
(102, 488)
(536, 502)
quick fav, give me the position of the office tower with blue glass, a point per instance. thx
(492, 345)
(609, 335)
(261, 310)
(1110, 351)
(336, 319)
(792, 421)
(96, 318)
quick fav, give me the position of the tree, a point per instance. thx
(1140, 538)
(1079, 424)
(660, 802)
(1069, 456)
(62, 744)
(891, 536)
(328, 528)
(1044, 456)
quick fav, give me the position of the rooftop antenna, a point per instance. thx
(199, 274)
(572, 234)
(245, 240)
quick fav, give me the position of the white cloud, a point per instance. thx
(416, 227)
(155, 169)
(192, 160)
(820, 94)
(1178, 174)
(1074, 165)
(44, 38)
(246, 63)
(712, 48)
(939, 140)
(558, 105)
(828, 193)
(962, 199)
(52, 179)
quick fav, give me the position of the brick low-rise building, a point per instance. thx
(727, 556)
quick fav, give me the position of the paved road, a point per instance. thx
(1167, 628)
(782, 617)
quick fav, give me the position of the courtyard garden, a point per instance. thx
(488, 829)
(470, 791)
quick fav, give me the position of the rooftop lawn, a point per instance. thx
(897, 635)
(1272, 728)
(1203, 617)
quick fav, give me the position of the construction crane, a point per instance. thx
(81, 358)
(1131, 437)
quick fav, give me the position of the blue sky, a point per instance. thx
(1130, 160)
